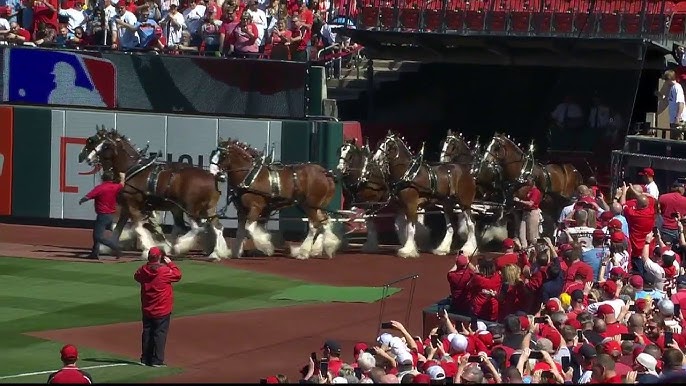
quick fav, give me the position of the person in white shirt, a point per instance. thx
(675, 99)
(599, 115)
(568, 114)
(648, 175)
(125, 23)
(173, 25)
(259, 18)
(194, 17)
(4, 24)
(581, 232)
(77, 18)
(109, 10)
(655, 268)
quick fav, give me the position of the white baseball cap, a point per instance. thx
(436, 373)
(384, 339)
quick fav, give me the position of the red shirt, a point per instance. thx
(43, 14)
(307, 17)
(680, 299)
(616, 379)
(459, 292)
(105, 196)
(670, 203)
(506, 259)
(535, 197)
(70, 374)
(302, 44)
(485, 306)
(641, 221)
(25, 34)
(614, 329)
(581, 268)
(157, 295)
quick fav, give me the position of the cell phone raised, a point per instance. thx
(358, 372)
(434, 340)
(386, 325)
(474, 359)
(566, 363)
(263, 380)
(580, 335)
(632, 308)
(629, 337)
(677, 310)
(474, 323)
(324, 366)
(540, 319)
(669, 338)
(535, 354)
(313, 355)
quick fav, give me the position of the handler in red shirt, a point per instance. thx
(640, 216)
(531, 214)
(70, 373)
(157, 301)
(105, 197)
(671, 204)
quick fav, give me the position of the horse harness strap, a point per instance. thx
(548, 181)
(153, 179)
(251, 176)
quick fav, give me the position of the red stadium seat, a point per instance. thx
(474, 20)
(433, 19)
(521, 21)
(409, 18)
(678, 24)
(369, 17)
(454, 20)
(655, 24)
(585, 23)
(542, 22)
(563, 22)
(632, 23)
(497, 21)
(610, 23)
(388, 20)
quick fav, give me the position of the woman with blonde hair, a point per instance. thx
(515, 294)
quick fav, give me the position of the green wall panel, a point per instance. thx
(329, 137)
(295, 148)
(31, 180)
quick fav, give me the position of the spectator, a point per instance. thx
(70, 373)
(331, 350)
(18, 35)
(617, 210)
(76, 16)
(194, 16)
(675, 99)
(157, 302)
(259, 19)
(243, 38)
(645, 366)
(148, 31)
(617, 260)
(366, 363)
(459, 277)
(514, 295)
(300, 36)
(640, 216)
(484, 288)
(680, 296)
(648, 290)
(509, 256)
(648, 177)
(280, 41)
(661, 266)
(581, 232)
(4, 25)
(531, 214)
(125, 25)
(45, 11)
(577, 267)
(210, 32)
(63, 37)
(45, 36)
(596, 256)
(173, 25)
(672, 204)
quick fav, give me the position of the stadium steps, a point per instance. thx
(352, 83)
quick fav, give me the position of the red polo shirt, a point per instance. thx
(535, 197)
(70, 374)
(105, 196)
(641, 222)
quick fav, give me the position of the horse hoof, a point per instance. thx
(440, 252)
(407, 254)
(214, 257)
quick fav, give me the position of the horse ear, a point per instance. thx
(450, 132)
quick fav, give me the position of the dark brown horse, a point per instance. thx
(261, 187)
(417, 184)
(159, 186)
(456, 149)
(506, 165)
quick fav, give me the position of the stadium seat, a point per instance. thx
(496, 21)
(369, 17)
(388, 18)
(654, 24)
(433, 19)
(563, 22)
(632, 23)
(475, 15)
(454, 20)
(677, 25)
(409, 19)
(542, 22)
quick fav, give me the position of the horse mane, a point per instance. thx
(244, 146)
(514, 144)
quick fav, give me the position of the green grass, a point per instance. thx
(38, 295)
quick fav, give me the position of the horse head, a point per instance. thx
(110, 150)
(453, 147)
(392, 151)
(346, 155)
(234, 157)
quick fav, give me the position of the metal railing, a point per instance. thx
(584, 18)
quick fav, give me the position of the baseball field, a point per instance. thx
(234, 321)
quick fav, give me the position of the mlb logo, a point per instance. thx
(48, 77)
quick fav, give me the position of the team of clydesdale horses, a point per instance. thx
(390, 176)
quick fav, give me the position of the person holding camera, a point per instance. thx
(672, 205)
(157, 302)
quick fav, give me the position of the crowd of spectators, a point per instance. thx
(601, 302)
(277, 29)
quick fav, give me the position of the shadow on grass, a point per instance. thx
(110, 360)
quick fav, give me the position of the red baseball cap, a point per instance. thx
(636, 281)
(609, 287)
(647, 172)
(574, 323)
(565, 247)
(272, 379)
(359, 347)
(607, 216)
(524, 322)
(552, 305)
(422, 379)
(612, 348)
(606, 309)
(598, 234)
(508, 243)
(618, 271)
(155, 254)
(616, 236)
(69, 353)
(461, 260)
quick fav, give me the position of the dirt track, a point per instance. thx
(247, 346)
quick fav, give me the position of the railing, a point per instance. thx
(655, 20)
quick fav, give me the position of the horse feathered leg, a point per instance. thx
(422, 233)
(241, 234)
(261, 238)
(146, 239)
(221, 250)
(331, 240)
(186, 242)
(400, 225)
(409, 249)
(303, 251)
(444, 247)
(317, 245)
(372, 243)
(470, 246)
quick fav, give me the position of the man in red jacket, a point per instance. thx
(105, 197)
(69, 373)
(157, 301)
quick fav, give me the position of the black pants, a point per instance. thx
(154, 339)
(102, 222)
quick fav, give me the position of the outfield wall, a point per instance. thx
(40, 176)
